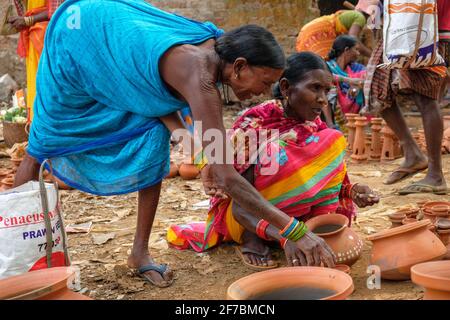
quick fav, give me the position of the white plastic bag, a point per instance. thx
(404, 46)
(26, 214)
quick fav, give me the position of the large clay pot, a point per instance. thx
(375, 148)
(43, 284)
(351, 129)
(188, 171)
(396, 250)
(333, 228)
(359, 146)
(434, 277)
(337, 284)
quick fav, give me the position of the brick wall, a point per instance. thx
(283, 18)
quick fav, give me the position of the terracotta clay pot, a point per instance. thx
(440, 210)
(443, 224)
(337, 284)
(434, 277)
(408, 221)
(359, 146)
(431, 204)
(173, 172)
(43, 284)
(395, 250)
(387, 152)
(343, 267)
(4, 173)
(351, 129)
(375, 148)
(396, 218)
(428, 215)
(333, 228)
(409, 212)
(188, 171)
(444, 236)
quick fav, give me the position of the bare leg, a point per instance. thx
(147, 204)
(27, 171)
(433, 127)
(414, 158)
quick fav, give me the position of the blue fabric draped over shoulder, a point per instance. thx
(99, 93)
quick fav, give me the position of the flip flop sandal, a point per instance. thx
(423, 188)
(161, 269)
(240, 251)
(409, 172)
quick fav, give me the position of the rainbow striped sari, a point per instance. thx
(308, 183)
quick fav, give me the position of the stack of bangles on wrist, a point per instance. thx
(199, 160)
(29, 21)
(294, 230)
(261, 228)
(347, 190)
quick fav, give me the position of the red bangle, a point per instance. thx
(283, 242)
(261, 229)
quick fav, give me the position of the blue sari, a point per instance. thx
(99, 93)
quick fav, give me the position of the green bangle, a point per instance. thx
(300, 230)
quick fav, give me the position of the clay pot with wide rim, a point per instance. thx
(396, 218)
(4, 173)
(43, 284)
(440, 210)
(188, 171)
(395, 250)
(408, 221)
(256, 284)
(333, 228)
(434, 277)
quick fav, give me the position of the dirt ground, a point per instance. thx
(104, 274)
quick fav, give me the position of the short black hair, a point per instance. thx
(298, 65)
(253, 43)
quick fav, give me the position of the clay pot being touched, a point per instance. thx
(333, 228)
(173, 172)
(43, 284)
(188, 171)
(293, 283)
(434, 277)
(395, 250)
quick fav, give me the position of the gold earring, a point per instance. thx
(236, 76)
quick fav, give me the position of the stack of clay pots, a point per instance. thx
(6, 179)
(403, 216)
(381, 145)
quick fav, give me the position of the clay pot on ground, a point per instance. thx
(351, 129)
(359, 146)
(440, 210)
(396, 250)
(408, 220)
(387, 151)
(333, 228)
(376, 146)
(434, 277)
(188, 171)
(43, 284)
(173, 172)
(293, 283)
(396, 218)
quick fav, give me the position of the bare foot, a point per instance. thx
(255, 252)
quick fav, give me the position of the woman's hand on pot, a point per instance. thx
(209, 185)
(18, 23)
(363, 196)
(310, 250)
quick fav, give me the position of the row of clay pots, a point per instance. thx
(185, 170)
(382, 145)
